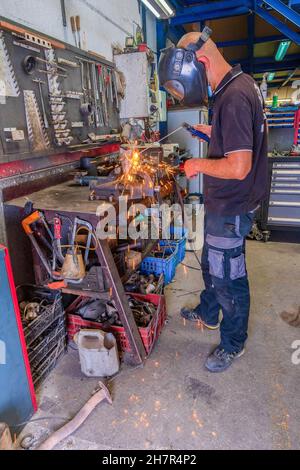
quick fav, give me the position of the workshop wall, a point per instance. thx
(102, 22)
(151, 31)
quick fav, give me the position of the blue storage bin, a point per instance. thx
(180, 242)
(165, 266)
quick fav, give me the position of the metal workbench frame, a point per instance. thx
(46, 179)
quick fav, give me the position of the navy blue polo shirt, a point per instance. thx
(238, 123)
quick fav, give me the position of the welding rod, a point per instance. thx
(165, 137)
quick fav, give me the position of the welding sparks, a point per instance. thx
(196, 419)
(137, 172)
(157, 405)
(134, 398)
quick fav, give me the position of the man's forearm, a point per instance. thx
(219, 168)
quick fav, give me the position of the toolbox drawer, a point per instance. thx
(282, 185)
(284, 199)
(286, 165)
(286, 178)
(291, 191)
(284, 215)
(285, 172)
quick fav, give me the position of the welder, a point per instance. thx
(235, 181)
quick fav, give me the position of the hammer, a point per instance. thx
(79, 418)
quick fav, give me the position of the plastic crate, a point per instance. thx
(159, 286)
(43, 369)
(51, 309)
(47, 341)
(148, 334)
(165, 266)
(179, 234)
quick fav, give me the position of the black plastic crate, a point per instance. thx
(50, 310)
(43, 369)
(46, 342)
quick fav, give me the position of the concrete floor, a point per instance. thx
(173, 402)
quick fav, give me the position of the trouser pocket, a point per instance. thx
(243, 224)
(216, 263)
(237, 267)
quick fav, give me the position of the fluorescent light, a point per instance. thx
(151, 8)
(270, 76)
(280, 101)
(282, 50)
(163, 4)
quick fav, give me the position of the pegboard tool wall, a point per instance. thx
(12, 108)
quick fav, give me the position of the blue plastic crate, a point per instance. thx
(165, 266)
(180, 242)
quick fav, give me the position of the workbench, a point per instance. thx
(71, 201)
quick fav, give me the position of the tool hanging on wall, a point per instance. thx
(77, 23)
(103, 95)
(7, 74)
(37, 135)
(52, 72)
(95, 96)
(67, 62)
(73, 27)
(40, 83)
(53, 64)
(87, 107)
(58, 118)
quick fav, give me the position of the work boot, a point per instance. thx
(220, 360)
(192, 315)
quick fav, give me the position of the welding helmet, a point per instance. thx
(182, 75)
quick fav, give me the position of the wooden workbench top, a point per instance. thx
(62, 197)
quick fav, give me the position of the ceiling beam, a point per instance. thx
(175, 33)
(282, 9)
(282, 27)
(213, 6)
(244, 42)
(187, 19)
(271, 67)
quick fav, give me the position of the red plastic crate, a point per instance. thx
(148, 334)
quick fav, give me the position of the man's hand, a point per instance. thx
(191, 167)
(203, 128)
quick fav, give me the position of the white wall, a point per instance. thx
(104, 21)
(151, 30)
